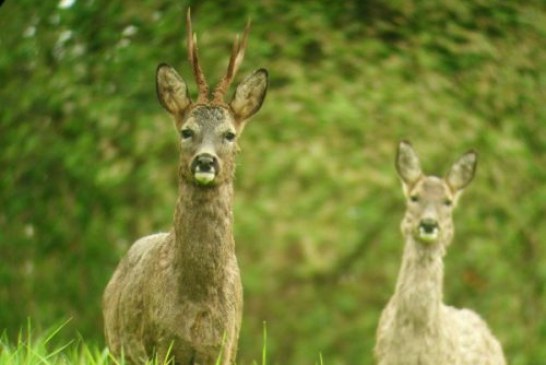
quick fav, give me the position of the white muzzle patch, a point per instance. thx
(204, 178)
(428, 236)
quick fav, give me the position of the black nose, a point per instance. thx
(204, 163)
(428, 225)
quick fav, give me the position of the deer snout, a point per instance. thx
(428, 230)
(204, 162)
(204, 168)
(428, 225)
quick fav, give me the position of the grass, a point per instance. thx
(33, 348)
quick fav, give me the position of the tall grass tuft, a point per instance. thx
(40, 348)
(33, 348)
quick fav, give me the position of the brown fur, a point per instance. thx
(179, 294)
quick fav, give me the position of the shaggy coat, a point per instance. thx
(178, 295)
(416, 328)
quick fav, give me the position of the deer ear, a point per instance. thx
(171, 89)
(407, 164)
(249, 96)
(462, 172)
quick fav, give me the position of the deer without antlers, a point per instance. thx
(416, 328)
(178, 295)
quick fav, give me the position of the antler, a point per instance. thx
(237, 55)
(202, 86)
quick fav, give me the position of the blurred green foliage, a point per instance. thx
(88, 159)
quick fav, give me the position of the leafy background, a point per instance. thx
(88, 159)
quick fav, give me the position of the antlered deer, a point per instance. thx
(179, 294)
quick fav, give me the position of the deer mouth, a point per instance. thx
(428, 237)
(428, 233)
(204, 177)
(205, 169)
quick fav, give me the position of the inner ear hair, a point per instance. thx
(249, 95)
(172, 91)
(407, 163)
(462, 172)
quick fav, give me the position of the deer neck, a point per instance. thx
(419, 289)
(203, 236)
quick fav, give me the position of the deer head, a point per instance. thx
(430, 199)
(209, 127)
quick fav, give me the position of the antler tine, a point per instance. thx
(241, 48)
(189, 36)
(237, 56)
(193, 56)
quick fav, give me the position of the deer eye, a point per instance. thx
(448, 202)
(229, 136)
(186, 133)
(414, 198)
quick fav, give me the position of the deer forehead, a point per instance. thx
(209, 118)
(431, 188)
